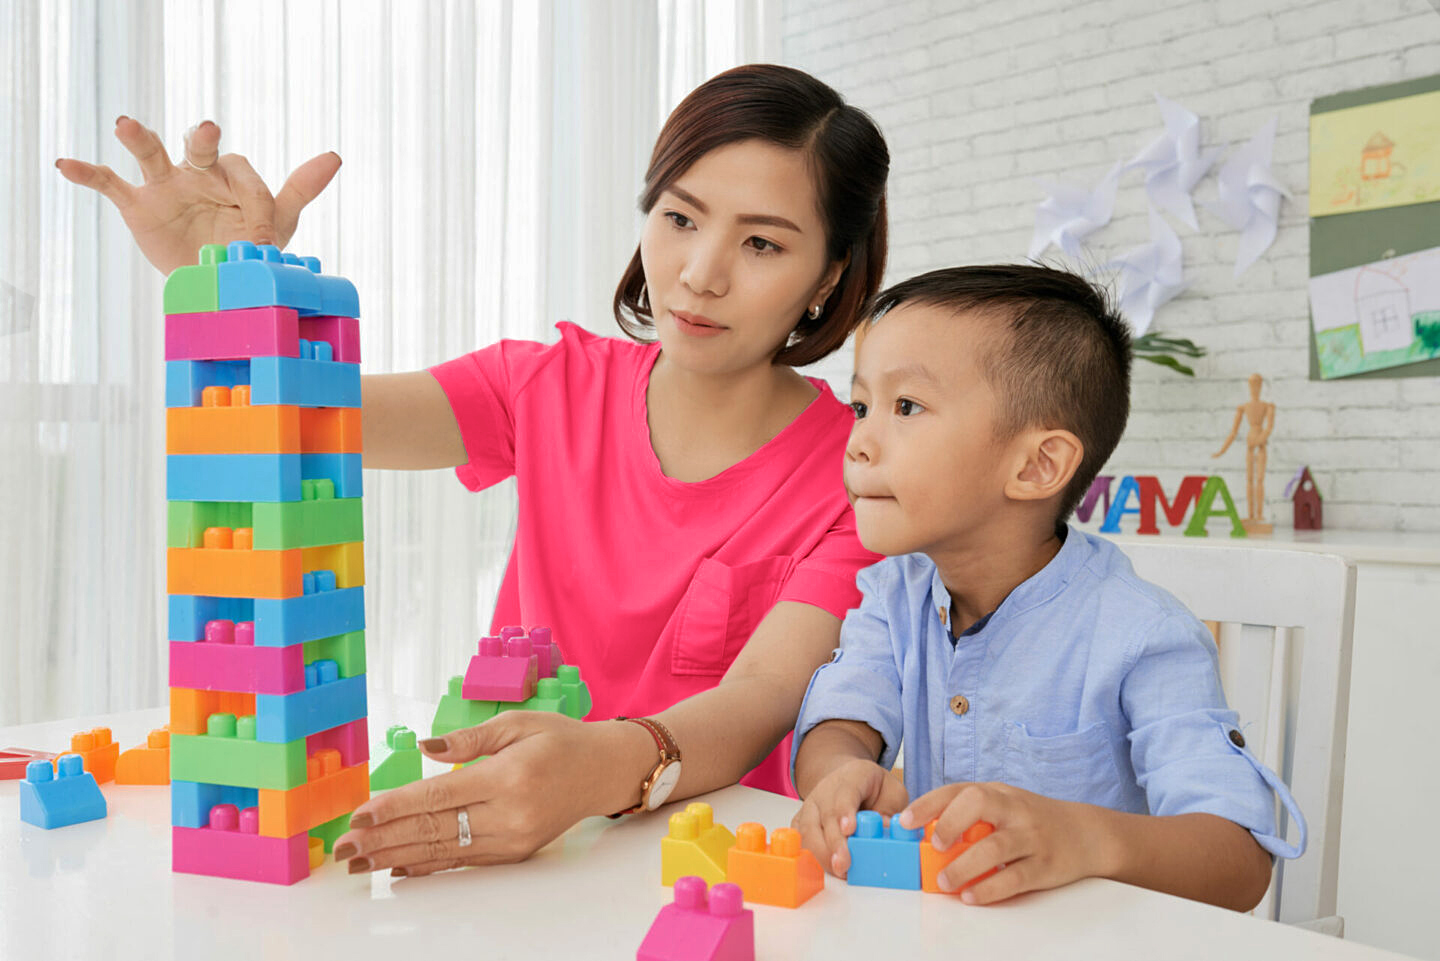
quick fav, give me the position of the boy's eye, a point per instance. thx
(678, 219)
(906, 407)
(859, 408)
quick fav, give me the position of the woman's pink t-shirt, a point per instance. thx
(650, 585)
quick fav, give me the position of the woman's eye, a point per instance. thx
(905, 407)
(858, 408)
(763, 246)
(678, 219)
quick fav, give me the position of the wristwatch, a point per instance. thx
(664, 776)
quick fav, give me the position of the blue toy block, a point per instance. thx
(278, 623)
(264, 478)
(191, 801)
(259, 276)
(342, 470)
(298, 381)
(66, 794)
(883, 854)
(327, 701)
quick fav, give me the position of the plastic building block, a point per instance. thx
(14, 760)
(401, 765)
(218, 663)
(229, 754)
(301, 381)
(701, 927)
(456, 712)
(234, 572)
(232, 335)
(327, 701)
(695, 845)
(341, 333)
(331, 830)
(275, 623)
(331, 430)
(147, 764)
(98, 752)
(65, 794)
(546, 651)
(190, 709)
(317, 853)
(259, 276)
(548, 697)
(196, 288)
(351, 740)
(258, 477)
(227, 427)
(502, 671)
(191, 801)
(577, 694)
(329, 791)
(932, 862)
(230, 847)
(883, 854)
(781, 873)
(311, 522)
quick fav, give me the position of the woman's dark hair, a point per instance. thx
(849, 161)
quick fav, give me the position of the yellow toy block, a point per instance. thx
(696, 845)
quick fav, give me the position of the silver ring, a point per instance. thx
(194, 166)
(464, 818)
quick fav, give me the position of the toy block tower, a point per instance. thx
(512, 672)
(265, 562)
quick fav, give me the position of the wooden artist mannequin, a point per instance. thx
(1261, 416)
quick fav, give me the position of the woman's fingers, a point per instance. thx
(146, 147)
(440, 793)
(303, 186)
(257, 206)
(98, 178)
(202, 144)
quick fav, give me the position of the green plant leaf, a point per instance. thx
(1165, 360)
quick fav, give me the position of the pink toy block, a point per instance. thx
(351, 740)
(231, 847)
(232, 334)
(546, 650)
(697, 928)
(341, 333)
(496, 676)
(220, 665)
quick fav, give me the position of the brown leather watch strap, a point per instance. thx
(669, 753)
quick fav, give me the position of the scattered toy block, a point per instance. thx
(502, 671)
(329, 791)
(274, 622)
(233, 334)
(53, 797)
(14, 760)
(147, 764)
(696, 845)
(932, 862)
(230, 847)
(328, 701)
(98, 753)
(455, 712)
(781, 873)
(701, 926)
(402, 764)
(228, 753)
(883, 854)
(575, 691)
(195, 288)
(301, 381)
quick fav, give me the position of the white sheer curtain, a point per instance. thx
(493, 152)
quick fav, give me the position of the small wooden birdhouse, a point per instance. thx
(1375, 157)
(1306, 500)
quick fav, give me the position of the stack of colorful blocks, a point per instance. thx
(512, 672)
(268, 740)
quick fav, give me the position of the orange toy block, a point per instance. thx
(329, 430)
(234, 572)
(239, 429)
(147, 764)
(98, 752)
(782, 873)
(932, 862)
(328, 792)
(189, 709)
(695, 845)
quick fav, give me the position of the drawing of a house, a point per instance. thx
(1375, 157)
(1382, 307)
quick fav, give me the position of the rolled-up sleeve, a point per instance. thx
(827, 576)
(862, 680)
(1185, 744)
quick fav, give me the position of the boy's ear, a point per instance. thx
(1049, 459)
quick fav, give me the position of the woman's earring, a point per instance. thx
(814, 312)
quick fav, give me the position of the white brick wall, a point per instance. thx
(979, 98)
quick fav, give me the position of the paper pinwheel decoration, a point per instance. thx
(1250, 196)
(1174, 163)
(1069, 213)
(1150, 275)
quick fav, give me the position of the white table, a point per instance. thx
(105, 889)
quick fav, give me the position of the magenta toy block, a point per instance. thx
(231, 848)
(697, 928)
(351, 740)
(341, 333)
(233, 334)
(496, 676)
(234, 665)
(546, 651)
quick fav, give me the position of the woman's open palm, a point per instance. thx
(206, 199)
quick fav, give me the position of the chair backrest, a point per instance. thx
(1286, 620)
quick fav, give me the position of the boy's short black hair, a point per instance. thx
(1064, 361)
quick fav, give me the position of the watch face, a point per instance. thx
(663, 785)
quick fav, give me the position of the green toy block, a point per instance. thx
(229, 754)
(346, 650)
(331, 830)
(316, 522)
(577, 694)
(548, 697)
(455, 712)
(1205, 507)
(402, 765)
(193, 290)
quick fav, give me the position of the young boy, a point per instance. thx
(1038, 684)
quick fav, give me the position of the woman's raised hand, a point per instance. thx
(206, 199)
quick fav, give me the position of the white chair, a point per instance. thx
(1286, 620)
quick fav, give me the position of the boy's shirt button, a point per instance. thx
(960, 704)
(1237, 739)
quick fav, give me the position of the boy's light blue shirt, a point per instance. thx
(1085, 684)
